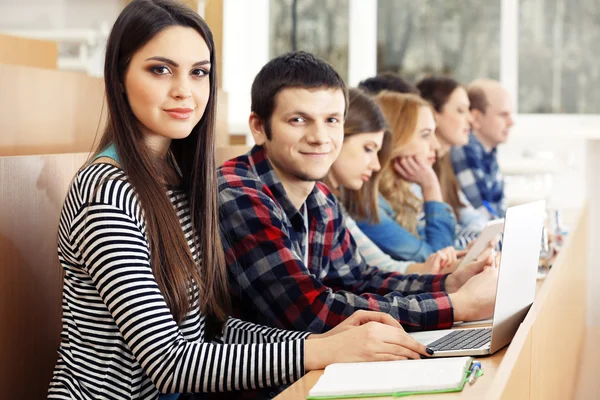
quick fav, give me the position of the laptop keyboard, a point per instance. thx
(462, 339)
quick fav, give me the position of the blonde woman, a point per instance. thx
(354, 179)
(409, 185)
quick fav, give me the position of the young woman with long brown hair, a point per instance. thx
(450, 103)
(145, 298)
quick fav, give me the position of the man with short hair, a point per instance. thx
(386, 81)
(476, 163)
(292, 262)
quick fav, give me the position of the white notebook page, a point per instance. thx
(391, 376)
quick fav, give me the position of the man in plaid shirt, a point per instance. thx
(476, 164)
(292, 262)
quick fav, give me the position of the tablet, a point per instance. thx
(489, 233)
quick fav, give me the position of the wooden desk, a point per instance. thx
(543, 358)
(588, 385)
(489, 364)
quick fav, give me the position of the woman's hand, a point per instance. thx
(415, 170)
(442, 261)
(459, 277)
(372, 341)
(359, 318)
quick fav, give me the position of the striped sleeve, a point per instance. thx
(111, 244)
(240, 332)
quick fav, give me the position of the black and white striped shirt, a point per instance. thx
(119, 339)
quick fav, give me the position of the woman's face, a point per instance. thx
(424, 143)
(358, 160)
(167, 84)
(454, 120)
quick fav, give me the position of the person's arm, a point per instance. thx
(502, 203)
(372, 254)
(502, 206)
(366, 279)
(471, 221)
(440, 225)
(275, 286)
(244, 332)
(394, 240)
(115, 253)
(466, 178)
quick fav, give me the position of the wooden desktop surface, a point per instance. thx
(543, 358)
(489, 366)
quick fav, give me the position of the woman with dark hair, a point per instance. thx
(354, 178)
(453, 120)
(145, 298)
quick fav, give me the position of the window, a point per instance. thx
(460, 38)
(559, 56)
(321, 28)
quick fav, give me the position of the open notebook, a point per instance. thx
(392, 378)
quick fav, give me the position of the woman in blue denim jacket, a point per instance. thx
(414, 220)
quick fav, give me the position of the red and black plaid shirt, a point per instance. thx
(263, 234)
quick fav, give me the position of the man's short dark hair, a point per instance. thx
(386, 81)
(296, 69)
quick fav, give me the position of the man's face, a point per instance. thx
(307, 131)
(493, 126)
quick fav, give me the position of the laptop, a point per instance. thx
(515, 291)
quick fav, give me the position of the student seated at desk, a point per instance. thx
(476, 162)
(354, 179)
(453, 124)
(409, 185)
(292, 262)
(145, 294)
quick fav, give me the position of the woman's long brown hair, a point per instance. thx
(402, 113)
(176, 267)
(364, 116)
(437, 90)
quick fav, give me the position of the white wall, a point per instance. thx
(245, 51)
(565, 138)
(58, 14)
(38, 14)
(89, 20)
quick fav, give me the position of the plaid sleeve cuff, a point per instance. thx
(441, 280)
(439, 312)
(434, 283)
